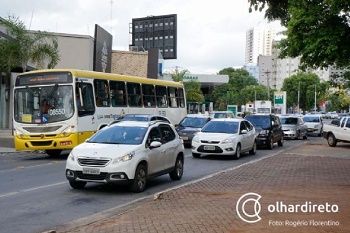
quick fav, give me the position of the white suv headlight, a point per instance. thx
(71, 156)
(124, 158)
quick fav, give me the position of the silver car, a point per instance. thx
(293, 127)
(314, 124)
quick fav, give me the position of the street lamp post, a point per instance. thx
(315, 98)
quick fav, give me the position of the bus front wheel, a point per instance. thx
(53, 153)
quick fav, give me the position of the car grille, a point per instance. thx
(94, 162)
(210, 142)
(217, 150)
(101, 176)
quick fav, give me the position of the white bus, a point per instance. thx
(57, 109)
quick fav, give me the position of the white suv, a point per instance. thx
(127, 152)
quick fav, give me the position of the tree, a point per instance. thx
(339, 98)
(305, 84)
(317, 30)
(193, 91)
(178, 75)
(192, 88)
(24, 46)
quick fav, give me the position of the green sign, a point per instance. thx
(233, 109)
(278, 99)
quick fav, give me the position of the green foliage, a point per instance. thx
(24, 46)
(178, 75)
(192, 88)
(240, 89)
(317, 30)
(193, 91)
(304, 83)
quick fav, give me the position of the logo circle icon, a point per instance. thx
(243, 201)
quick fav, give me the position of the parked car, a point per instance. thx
(128, 152)
(140, 117)
(338, 131)
(225, 136)
(190, 125)
(293, 127)
(314, 124)
(268, 129)
(222, 114)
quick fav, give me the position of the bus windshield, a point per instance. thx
(43, 104)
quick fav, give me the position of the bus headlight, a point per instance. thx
(18, 133)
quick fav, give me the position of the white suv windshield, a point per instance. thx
(132, 135)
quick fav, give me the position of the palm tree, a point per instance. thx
(23, 46)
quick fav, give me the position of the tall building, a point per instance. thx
(259, 42)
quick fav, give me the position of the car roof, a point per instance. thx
(291, 116)
(228, 119)
(143, 115)
(138, 123)
(259, 115)
(197, 115)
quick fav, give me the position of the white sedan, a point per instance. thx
(225, 136)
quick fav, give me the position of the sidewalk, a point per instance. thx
(312, 174)
(6, 141)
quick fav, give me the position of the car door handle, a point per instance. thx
(163, 151)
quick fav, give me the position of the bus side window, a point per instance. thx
(181, 98)
(101, 92)
(118, 93)
(148, 95)
(161, 95)
(172, 97)
(134, 95)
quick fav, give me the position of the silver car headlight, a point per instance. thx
(195, 139)
(124, 158)
(229, 140)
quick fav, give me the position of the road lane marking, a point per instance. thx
(31, 189)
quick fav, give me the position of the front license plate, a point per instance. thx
(209, 147)
(91, 171)
(184, 138)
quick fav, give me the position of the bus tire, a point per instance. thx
(53, 153)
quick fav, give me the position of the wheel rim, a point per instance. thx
(271, 143)
(331, 140)
(254, 147)
(141, 178)
(238, 152)
(179, 168)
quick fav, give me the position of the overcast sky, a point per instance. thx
(211, 34)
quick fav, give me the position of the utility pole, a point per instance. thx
(267, 72)
(299, 97)
(315, 98)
